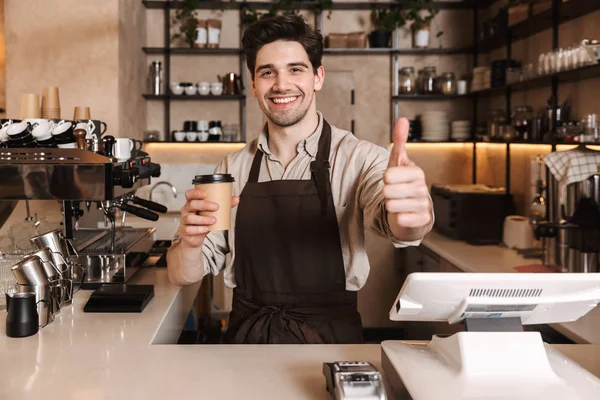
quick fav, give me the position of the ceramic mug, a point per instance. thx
(204, 88)
(122, 149)
(216, 88)
(191, 136)
(176, 88)
(43, 131)
(179, 136)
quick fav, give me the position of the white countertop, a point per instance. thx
(472, 258)
(120, 356)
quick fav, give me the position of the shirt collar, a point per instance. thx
(310, 144)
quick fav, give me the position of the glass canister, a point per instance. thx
(522, 120)
(496, 121)
(428, 80)
(407, 81)
(447, 83)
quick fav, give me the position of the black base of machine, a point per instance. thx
(113, 298)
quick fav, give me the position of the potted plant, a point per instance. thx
(421, 13)
(384, 21)
(187, 21)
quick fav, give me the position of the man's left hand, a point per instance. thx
(405, 190)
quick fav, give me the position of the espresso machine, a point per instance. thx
(570, 232)
(94, 190)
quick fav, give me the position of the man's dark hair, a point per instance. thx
(291, 28)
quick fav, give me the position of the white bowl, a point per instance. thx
(191, 136)
(204, 88)
(179, 136)
(176, 88)
(190, 90)
(202, 136)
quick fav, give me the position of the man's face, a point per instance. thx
(284, 82)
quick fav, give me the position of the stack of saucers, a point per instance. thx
(461, 130)
(435, 126)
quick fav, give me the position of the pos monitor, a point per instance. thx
(494, 358)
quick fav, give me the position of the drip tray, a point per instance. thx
(120, 299)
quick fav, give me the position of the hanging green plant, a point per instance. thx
(187, 21)
(413, 11)
(323, 5)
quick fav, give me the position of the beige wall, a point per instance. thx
(132, 70)
(74, 46)
(90, 49)
(2, 60)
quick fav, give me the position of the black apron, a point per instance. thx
(289, 270)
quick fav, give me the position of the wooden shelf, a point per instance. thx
(190, 51)
(388, 51)
(333, 51)
(190, 143)
(193, 97)
(538, 23)
(505, 142)
(305, 5)
(574, 75)
(428, 97)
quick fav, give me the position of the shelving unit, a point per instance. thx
(169, 52)
(549, 19)
(186, 97)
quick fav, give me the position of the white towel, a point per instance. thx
(572, 166)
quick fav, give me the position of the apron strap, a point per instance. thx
(255, 169)
(320, 167)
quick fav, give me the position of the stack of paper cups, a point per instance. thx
(30, 106)
(50, 103)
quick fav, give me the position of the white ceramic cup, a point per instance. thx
(204, 88)
(176, 88)
(33, 122)
(62, 127)
(179, 136)
(67, 146)
(16, 129)
(216, 88)
(203, 136)
(461, 87)
(191, 136)
(3, 135)
(122, 149)
(43, 131)
(190, 90)
(203, 125)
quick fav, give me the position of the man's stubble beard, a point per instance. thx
(288, 119)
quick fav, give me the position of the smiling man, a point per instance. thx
(307, 191)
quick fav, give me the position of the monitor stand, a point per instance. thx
(485, 363)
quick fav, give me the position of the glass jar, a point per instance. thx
(428, 80)
(407, 81)
(496, 121)
(522, 120)
(447, 83)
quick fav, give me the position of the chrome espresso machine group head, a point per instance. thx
(93, 189)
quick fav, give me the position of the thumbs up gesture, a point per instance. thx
(406, 195)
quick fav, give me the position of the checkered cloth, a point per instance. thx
(572, 166)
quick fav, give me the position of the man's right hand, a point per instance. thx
(193, 227)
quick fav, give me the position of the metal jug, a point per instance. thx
(232, 83)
